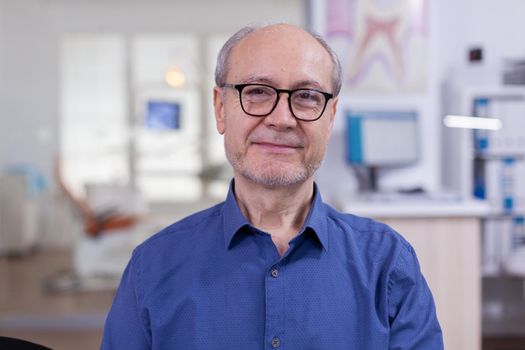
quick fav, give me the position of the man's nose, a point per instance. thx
(281, 116)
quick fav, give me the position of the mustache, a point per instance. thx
(284, 139)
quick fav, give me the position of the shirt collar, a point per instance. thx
(317, 219)
(234, 220)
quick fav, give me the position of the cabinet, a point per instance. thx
(447, 249)
(490, 165)
(18, 216)
(445, 234)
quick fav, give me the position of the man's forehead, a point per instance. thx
(290, 34)
(281, 51)
(278, 29)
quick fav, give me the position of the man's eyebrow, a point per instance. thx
(307, 83)
(259, 79)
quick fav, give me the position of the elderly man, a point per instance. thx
(273, 267)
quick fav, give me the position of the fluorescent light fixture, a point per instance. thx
(467, 122)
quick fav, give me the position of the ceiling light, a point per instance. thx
(175, 77)
(468, 122)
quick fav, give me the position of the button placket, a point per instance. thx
(275, 310)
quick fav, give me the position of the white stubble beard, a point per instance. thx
(269, 173)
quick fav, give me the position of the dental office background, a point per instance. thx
(117, 96)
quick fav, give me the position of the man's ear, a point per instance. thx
(333, 112)
(218, 106)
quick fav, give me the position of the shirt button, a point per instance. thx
(276, 342)
(274, 273)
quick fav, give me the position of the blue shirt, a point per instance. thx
(213, 281)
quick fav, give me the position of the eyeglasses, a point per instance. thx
(260, 100)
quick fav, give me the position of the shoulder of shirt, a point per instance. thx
(189, 223)
(365, 228)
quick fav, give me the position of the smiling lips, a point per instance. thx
(276, 143)
(276, 147)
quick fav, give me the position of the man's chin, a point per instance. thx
(276, 177)
(272, 172)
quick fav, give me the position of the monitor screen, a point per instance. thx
(162, 115)
(381, 138)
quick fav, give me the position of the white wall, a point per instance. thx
(496, 26)
(33, 29)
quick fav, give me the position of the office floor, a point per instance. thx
(509, 343)
(74, 319)
(65, 320)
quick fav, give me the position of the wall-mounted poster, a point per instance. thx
(382, 44)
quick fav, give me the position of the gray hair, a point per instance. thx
(222, 67)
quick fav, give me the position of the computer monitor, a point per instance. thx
(162, 115)
(380, 139)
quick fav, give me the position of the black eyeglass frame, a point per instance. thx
(240, 87)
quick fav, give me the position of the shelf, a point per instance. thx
(502, 216)
(489, 157)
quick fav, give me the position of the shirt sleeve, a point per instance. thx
(411, 309)
(125, 327)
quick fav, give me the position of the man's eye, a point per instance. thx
(257, 91)
(308, 96)
(258, 94)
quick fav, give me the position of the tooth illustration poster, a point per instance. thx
(382, 44)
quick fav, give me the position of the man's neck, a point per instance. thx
(280, 211)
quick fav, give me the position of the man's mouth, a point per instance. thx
(276, 147)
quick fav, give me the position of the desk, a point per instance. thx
(446, 236)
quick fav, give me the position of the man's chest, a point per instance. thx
(306, 303)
